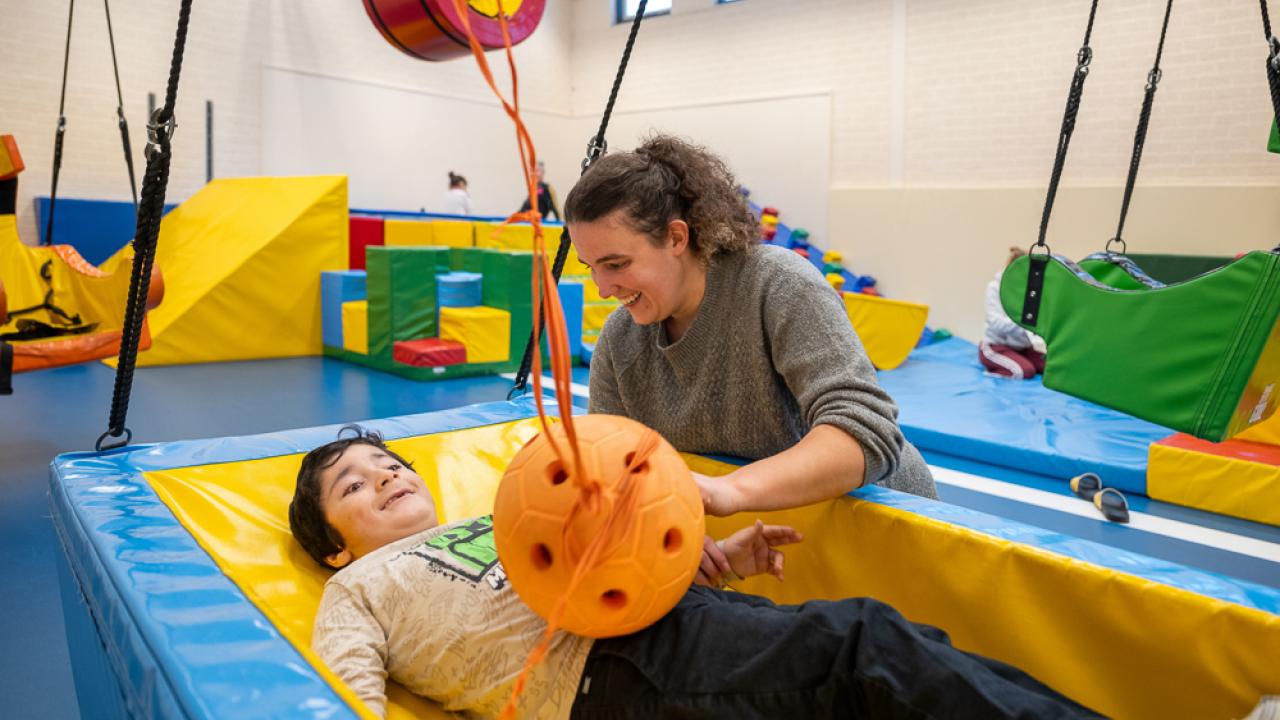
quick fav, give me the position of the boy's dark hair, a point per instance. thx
(667, 179)
(306, 517)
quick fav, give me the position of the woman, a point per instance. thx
(726, 345)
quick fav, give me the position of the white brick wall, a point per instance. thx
(984, 82)
(228, 44)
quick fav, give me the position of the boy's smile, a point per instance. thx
(371, 499)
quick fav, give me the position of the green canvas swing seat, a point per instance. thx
(1200, 356)
(1118, 271)
(1274, 144)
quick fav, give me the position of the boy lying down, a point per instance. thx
(429, 606)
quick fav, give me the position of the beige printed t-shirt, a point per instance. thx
(436, 613)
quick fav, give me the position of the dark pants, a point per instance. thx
(730, 655)
(1018, 363)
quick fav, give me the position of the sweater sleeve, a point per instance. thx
(603, 384)
(354, 646)
(813, 346)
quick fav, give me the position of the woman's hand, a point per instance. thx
(720, 497)
(750, 551)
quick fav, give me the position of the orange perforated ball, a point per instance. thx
(649, 564)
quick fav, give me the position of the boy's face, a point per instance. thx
(371, 499)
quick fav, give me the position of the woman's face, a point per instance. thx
(649, 280)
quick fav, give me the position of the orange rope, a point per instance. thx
(546, 303)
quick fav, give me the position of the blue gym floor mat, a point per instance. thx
(948, 404)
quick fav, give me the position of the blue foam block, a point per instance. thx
(588, 349)
(572, 298)
(948, 404)
(95, 228)
(459, 289)
(337, 287)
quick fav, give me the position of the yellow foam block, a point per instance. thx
(242, 260)
(889, 329)
(520, 237)
(1125, 646)
(355, 326)
(1236, 477)
(1266, 432)
(504, 237)
(484, 331)
(409, 233)
(595, 313)
(454, 233)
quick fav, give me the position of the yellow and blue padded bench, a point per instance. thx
(186, 597)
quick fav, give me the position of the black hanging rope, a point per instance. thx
(150, 209)
(1083, 58)
(596, 147)
(1140, 135)
(124, 124)
(62, 129)
(1273, 60)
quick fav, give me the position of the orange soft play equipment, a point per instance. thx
(647, 515)
(56, 308)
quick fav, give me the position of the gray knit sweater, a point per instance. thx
(770, 355)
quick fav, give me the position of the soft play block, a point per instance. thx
(507, 280)
(484, 331)
(338, 287)
(504, 237)
(1235, 477)
(402, 294)
(10, 158)
(595, 313)
(588, 351)
(365, 231)
(355, 326)
(889, 329)
(571, 293)
(242, 260)
(227, 626)
(453, 233)
(459, 289)
(429, 352)
(409, 233)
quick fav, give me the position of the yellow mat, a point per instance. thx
(1126, 646)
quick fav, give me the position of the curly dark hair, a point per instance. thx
(306, 515)
(666, 179)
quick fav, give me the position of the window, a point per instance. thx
(625, 10)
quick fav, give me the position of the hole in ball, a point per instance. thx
(541, 556)
(614, 599)
(672, 540)
(642, 468)
(557, 473)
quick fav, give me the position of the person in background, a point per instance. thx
(457, 201)
(546, 196)
(1006, 349)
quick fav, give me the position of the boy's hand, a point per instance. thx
(713, 566)
(751, 550)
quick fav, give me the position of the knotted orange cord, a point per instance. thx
(546, 303)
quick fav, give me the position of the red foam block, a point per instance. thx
(365, 231)
(429, 352)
